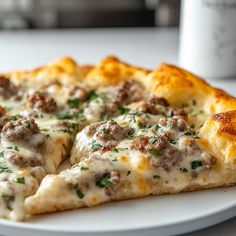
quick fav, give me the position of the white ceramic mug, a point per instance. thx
(208, 37)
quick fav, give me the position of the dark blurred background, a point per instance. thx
(41, 14)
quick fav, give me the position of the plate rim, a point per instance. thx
(53, 229)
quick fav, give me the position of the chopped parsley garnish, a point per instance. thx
(191, 132)
(16, 116)
(5, 169)
(157, 127)
(64, 116)
(192, 126)
(171, 141)
(131, 136)
(64, 130)
(153, 152)
(128, 172)
(95, 145)
(184, 104)
(84, 168)
(115, 159)
(133, 116)
(79, 115)
(2, 154)
(15, 148)
(103, 182)
(114, 150)
(73, 125)
(196, 164)
(104, 130)
(7, 196)
(92, 95)
(122, 109)
(154, 139)
(20, 180)
(194, 102)
(73, 103)
(183, 170)
(78, 192)
(156, 176)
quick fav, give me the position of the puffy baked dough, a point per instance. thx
(111, 70)
(220, 132)
(65, 70)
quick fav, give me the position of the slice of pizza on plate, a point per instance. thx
(139, 133)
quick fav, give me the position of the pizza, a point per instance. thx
(128, 132)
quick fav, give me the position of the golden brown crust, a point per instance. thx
(220, 132)
(111, 70)
(64, 70)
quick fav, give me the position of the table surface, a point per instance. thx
(144, 47)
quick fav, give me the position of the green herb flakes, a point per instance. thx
(154, 140)
(196, 164)
(192, 126)
(92, 95)
(78, 192)
(20, 180)
(7, 197)
(64, 116)
(183, 170)
(190, 133)
(104, 130)
(156, 176)
(5, 169)
(95, 145)
(184, 104)
(171, 141)
(114, 150)
(84, 168)
(153, 152)
(103, 182)
(122, 109)
(73, 103)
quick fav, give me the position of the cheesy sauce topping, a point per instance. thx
(129, 145)
(150, 149)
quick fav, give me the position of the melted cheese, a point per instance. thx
(137, 176)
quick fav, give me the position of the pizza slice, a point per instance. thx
(129, 145)
(34, 141)
(149, 150)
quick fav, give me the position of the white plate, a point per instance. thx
(157, 215)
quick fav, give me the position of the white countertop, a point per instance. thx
(145, 47)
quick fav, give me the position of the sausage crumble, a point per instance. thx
(42, 102)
